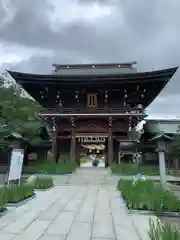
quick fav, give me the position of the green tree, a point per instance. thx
(174, 149)
(18, 113)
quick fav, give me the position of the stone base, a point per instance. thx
(3, 213)
(44, 190)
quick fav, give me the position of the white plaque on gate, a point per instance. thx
(16, 164)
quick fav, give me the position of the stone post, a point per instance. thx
(162, 163)
(161, 139)
(110, 143)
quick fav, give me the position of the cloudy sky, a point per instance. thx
(35, 34)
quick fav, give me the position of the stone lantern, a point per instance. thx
(161, 140)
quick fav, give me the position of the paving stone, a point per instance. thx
(34, 231)
(103, 226)
(52, 237)
(62, 224)
(74, 212)
(87, 209)
(125, 233)
(73, 206)
(6, 236)
(141, 223)
(51, 213)
(85, 215)
(80, 231)
(102, 205)
(21, 223)
(13, 214)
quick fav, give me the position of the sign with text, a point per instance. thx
(92, 139)
(16, 164)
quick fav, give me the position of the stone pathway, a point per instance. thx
(89, 164)
(73, 212)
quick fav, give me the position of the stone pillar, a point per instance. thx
(73, 141)
(110, 143)
(162, 163)
(162, 168)
(54, 146)
(54, 140)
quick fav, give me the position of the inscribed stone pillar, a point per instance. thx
(110, 144)
(162, 164)
(162, 168)
(54, 147)
(73, 144)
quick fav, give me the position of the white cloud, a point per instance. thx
(14, 54)
(165, 106)
(72, 12)
(80, 31)
(9, 12)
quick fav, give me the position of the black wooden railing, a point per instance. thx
(88, 110)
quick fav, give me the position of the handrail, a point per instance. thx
(86, 110)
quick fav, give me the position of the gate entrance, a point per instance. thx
(92, 150)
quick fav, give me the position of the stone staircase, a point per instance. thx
(88, 176)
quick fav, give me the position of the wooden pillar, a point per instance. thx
(73, 140)
(110, 142)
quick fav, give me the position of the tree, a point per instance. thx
(174, 149)
(19, 113)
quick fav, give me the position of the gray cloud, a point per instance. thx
(139, 36)
(146, 31)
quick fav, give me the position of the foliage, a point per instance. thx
(51, 168)
(158, 231)
(43, 182)
(3, 200)
(130, 169)
(15, 193)
(18, 113)
(174, 147)
(146, 195)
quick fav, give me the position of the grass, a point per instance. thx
(43, 182)
(162, 232)
(51, 168)
(15, 193)
(3, 201)
(145, 195)
(130, 169)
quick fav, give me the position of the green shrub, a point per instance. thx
(43, 182)
(3, 200)
(145, 195)
(16, 193)
(162, 232)
(51, 168)
(131, 169)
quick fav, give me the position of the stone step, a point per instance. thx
(85, 176)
